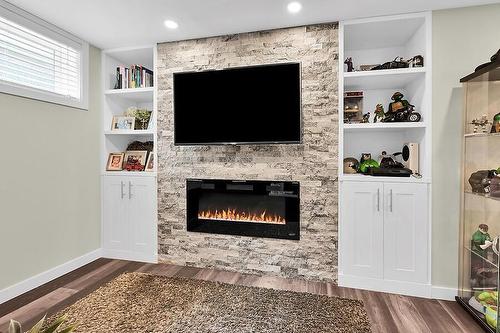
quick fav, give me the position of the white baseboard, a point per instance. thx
(386, 286)
(132, 256)
(444, 293)
(47, 276)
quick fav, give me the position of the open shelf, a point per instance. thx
(482, 195)
(382, 79)
(383, 126)
(130, 132)
(481, 135)
(358, 177)
(130, 173)
(117, 101)
(138, 95)
(481, 257)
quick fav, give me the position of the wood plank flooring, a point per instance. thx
(388, 313)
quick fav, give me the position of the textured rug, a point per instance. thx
(136, 302)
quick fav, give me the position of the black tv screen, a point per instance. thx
(244, 105)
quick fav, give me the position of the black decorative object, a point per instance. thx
(389, 161)
(398, 62)
(400, 110)
(138, 145)
(416, 61)
(366, 118)
(480, 181)
(350, 66)
(494, 58)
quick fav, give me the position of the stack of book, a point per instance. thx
(133, 77)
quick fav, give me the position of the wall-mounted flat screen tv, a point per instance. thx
(244, 105)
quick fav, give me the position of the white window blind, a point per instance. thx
(46, 68)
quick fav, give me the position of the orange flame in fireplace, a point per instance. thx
(236, 216)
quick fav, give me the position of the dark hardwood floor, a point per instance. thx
(388, 313)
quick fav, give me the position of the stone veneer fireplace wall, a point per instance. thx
(312, 163)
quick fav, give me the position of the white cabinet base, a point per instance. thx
(387, 286)
(132, 256)
(129, 218)
(384, 239)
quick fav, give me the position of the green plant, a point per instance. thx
(40, 327)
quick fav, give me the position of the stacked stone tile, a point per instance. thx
(313, 163)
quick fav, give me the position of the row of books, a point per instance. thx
(133, 77)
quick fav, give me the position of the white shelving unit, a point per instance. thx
(129, 216)
(116, 101)
(384, 222)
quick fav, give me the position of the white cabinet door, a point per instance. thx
(142, 214)
(115, 214)
(406, 232)
(362, 229)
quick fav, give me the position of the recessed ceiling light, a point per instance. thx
(171, 24)
(294, 7)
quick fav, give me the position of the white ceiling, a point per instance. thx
(121, 23)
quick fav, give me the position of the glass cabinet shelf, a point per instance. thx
(484, 195)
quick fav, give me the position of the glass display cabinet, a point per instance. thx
(480, 217)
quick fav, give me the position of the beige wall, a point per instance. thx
(462, 39)
(50, 186)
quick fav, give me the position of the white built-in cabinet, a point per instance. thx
(386, 233)
(384, 236)
(129, 212)
(129, 199)
(385, 222)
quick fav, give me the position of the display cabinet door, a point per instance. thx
(115, 214)
(406, 232)
(362, 229)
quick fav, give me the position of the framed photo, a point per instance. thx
(123, 123)
(151, 162)
(135, 160)
(115, 162)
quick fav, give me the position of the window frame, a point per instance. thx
(32, 22)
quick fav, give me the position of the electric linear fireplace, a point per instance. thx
(247, 208)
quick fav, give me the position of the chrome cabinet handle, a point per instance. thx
(129, 189)
(122, 184)
(391, 202)
(378, 200)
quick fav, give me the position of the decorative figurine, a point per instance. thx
(379, 113)
(483, 275)
(401, 110)
(480, 181)
(416, 61)
(351, 165)
(366, 163)
(389, 161)
(483, 121)
(366, 118)
(495, 128)
(350, 66)
(481, 240)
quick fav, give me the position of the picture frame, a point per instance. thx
(150, 165)
(123, 123)
(115, 162)
(135, 160)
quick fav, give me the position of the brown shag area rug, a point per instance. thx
(137, 302)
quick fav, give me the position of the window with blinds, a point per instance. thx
(35, 64)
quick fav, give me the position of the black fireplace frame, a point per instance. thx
(288, 190)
